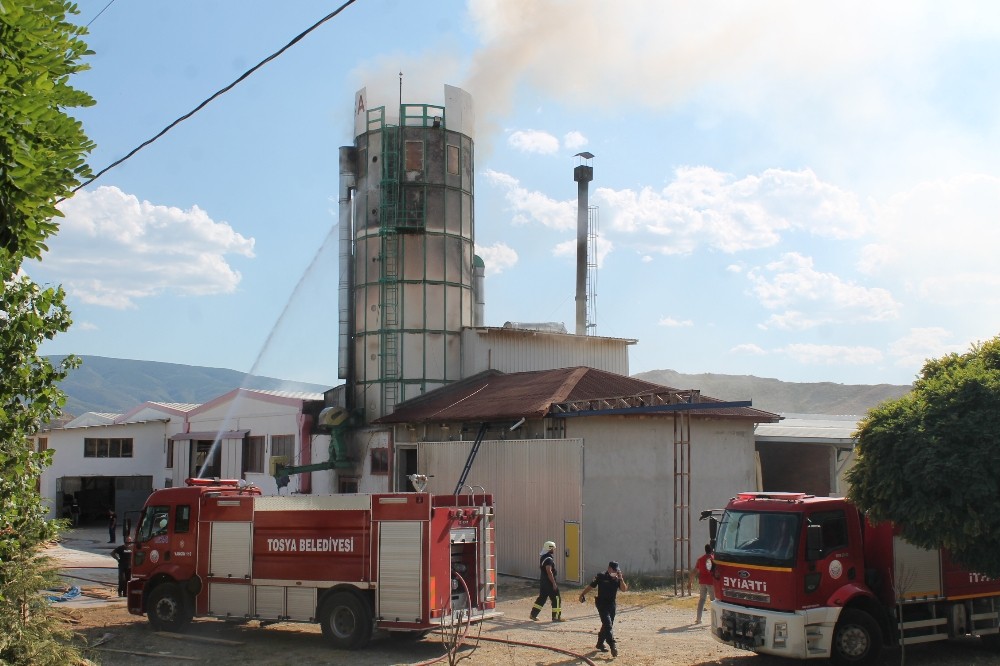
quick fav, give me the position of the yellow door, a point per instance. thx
(571, 539)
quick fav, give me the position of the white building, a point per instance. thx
(106, 461)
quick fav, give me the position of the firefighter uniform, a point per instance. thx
(546, 590)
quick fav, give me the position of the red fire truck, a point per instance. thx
(808, 577)
(405, 562)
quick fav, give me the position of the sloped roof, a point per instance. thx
(494, 396)
(819, 428)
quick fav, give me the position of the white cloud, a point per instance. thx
(574, 140)
(533, 141)
(567, 249)
(793, 283)
(940, 239)
(747, 348)
(497, 257)
(670, 322)
(706, 207)
(832, 354)
(920, 344)
(113, 249)
(533, 206)
(84, 326)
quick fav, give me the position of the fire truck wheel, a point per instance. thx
(857, 640)
(346, 621)
(167, 608)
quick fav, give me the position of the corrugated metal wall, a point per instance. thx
(536, 485)
(517, 350)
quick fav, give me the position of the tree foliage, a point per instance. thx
(42, 149)
(930, 461)
(42, 153)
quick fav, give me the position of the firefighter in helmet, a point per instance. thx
(548, 588)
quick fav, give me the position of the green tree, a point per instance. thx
(930, 460)
(42, 153)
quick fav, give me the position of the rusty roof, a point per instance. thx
(495, 396)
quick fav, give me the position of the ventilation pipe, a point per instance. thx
(582, 174)
(348, 181)
(478, 289)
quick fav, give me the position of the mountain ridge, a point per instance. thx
(113, 385)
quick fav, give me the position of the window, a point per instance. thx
(348, 484)
(206, 459)
(834, 527)
(380, 461)
(43, 444)
(453, 160)
(253, 454)
(283, 445)
(154, 522)
(170, 454)
(414, 155)
(117, 447)
(182, 518)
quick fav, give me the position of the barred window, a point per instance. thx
(283, 445)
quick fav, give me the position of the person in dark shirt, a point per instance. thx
(548, 588)
(123, 555)
(607, 583)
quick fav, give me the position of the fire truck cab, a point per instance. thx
(404, 562)
(807, 577)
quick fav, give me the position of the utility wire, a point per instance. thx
(232, 85)
(100, 12)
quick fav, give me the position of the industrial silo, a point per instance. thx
(410, 283)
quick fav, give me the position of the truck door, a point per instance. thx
(839, 560)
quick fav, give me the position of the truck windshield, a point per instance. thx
(751, 537)
(154, 522)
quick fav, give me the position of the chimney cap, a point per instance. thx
(585, 155)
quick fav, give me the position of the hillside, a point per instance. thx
(117, 385)
(774, 395)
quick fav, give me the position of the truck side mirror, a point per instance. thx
(814, 542)
(713, 528)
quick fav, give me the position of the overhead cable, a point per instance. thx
(232, 85)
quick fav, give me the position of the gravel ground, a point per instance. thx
(653, 627)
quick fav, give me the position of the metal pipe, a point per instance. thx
(348, 181)
(582, 174)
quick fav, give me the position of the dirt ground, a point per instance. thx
(653, 627)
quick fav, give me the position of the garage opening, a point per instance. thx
(96, 495)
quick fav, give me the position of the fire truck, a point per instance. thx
(404, 562)
(807, 577)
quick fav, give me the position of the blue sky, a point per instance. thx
(806, 191)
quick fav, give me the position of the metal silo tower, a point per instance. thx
(411, 278)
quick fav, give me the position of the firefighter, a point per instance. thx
(608, 583)
(123, 555)
(548, 588)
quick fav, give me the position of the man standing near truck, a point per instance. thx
(548, 588)
(703, 572)
(607, 583)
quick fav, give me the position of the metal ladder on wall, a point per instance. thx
(682, 503)
(389, 278)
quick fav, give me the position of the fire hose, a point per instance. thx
(506, 641)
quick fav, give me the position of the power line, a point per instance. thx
(100, 12)
(232, 85)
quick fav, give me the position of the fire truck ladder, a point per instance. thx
(389, 206)
(472, 458)
(682, 503)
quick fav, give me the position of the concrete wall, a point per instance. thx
(628, 490)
